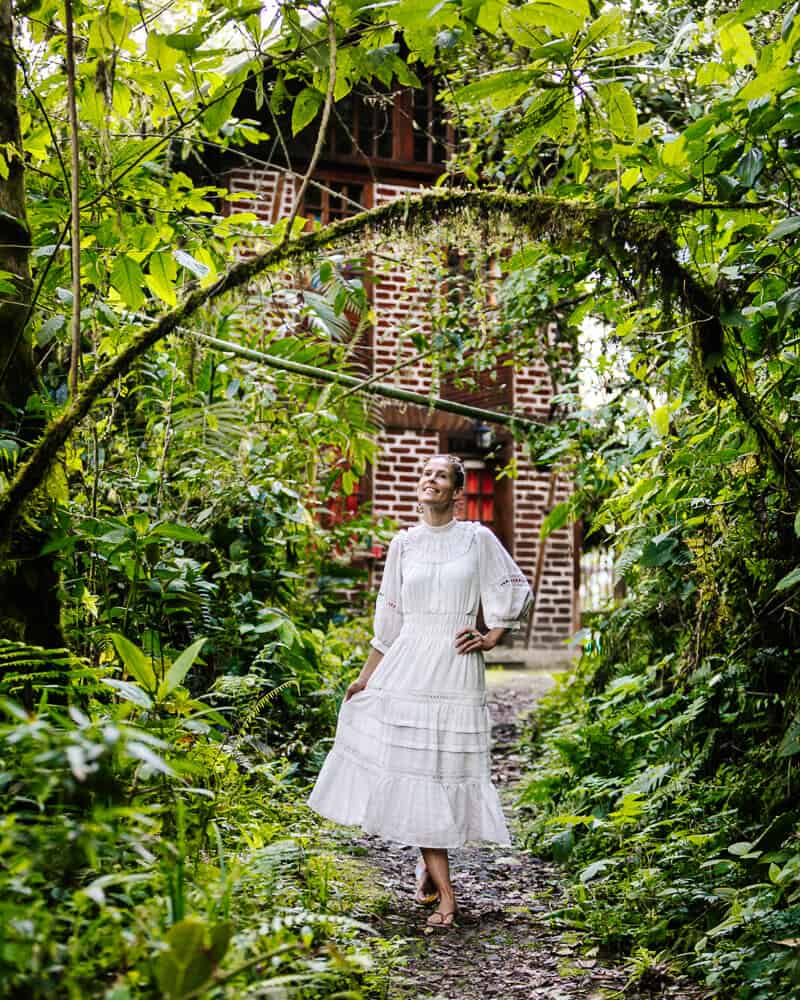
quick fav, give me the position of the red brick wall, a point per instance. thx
(554, 603)
(402, 305)
(266, 193)
(402, 302)
(402, 455)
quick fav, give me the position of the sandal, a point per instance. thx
(439, 919)
(422, 877)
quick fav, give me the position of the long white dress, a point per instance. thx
(410, 761)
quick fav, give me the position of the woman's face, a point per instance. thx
(436, 486)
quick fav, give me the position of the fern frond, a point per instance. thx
(23, 665)
(261, 703)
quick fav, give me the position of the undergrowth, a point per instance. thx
(165, 850)
(665, 783)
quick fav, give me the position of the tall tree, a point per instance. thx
(28, 579)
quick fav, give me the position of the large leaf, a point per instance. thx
(620, 109)
(786, 227)
(180, 532)
(306, 105)
(556, 519)
(186, 964)
(180, 668)
(736, 46)
(130, 692)
(790, 580)
(161, 277)
(128, 280)
(136, 662)
(521, 22)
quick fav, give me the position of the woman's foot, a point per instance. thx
(426, 891)
(445, 913)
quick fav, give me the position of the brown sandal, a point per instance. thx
(439, 919)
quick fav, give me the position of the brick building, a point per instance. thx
(379, 148)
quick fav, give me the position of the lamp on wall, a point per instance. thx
(483, 435)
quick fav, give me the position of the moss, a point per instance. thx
(637, 240)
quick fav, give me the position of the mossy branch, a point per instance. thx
(644, 245)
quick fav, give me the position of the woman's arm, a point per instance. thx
(374, 658)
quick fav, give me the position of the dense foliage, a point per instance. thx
(152, 769)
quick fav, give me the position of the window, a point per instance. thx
(337, 202)
(479, 492)
(429, 125)
(362, 126)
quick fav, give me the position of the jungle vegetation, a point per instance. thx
(174, 628)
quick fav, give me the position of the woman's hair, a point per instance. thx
(456, 465)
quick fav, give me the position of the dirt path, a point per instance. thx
(504, 945)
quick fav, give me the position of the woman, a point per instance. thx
(411, 757)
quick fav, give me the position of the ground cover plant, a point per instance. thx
(176, 576)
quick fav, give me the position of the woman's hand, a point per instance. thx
(354, 688)
(470, 640)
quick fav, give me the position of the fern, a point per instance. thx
(261, 703)
(35, 668)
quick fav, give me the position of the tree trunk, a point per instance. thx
(29, 610)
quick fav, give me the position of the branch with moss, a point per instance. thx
(635, 236)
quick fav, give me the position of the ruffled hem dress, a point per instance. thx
(410, 761)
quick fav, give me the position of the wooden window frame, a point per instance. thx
(333, 181)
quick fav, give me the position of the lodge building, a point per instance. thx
(379, 147)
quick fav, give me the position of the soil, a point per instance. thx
(508, 942)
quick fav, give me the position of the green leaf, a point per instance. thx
(561, 21)
(186, 964)
(597, 868)
(750, 167)
(160, 277)
(659, 551)
(180, 532)
(185, 41)
(219, 112)
(143, 753)
(161, 52)
(788, 304)
(556, 519)
(710, 73)
(306, 105)
(620, 109)
(604, 26)
(789, 580)
(502, 89)
(660, 420)
(736, 46)
(180, 668)
(136, 662)
(786, 227)
(49, 329)
(129, 691)
(790, 744)
(128, 280)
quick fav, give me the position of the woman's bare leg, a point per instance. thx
(425, 890)
(438, 866)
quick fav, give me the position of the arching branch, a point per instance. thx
(638, 236)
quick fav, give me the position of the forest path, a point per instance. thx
(504, 945)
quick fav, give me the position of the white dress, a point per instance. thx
(410, 761)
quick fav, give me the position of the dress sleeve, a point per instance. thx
(505, 594)
(388, 608)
